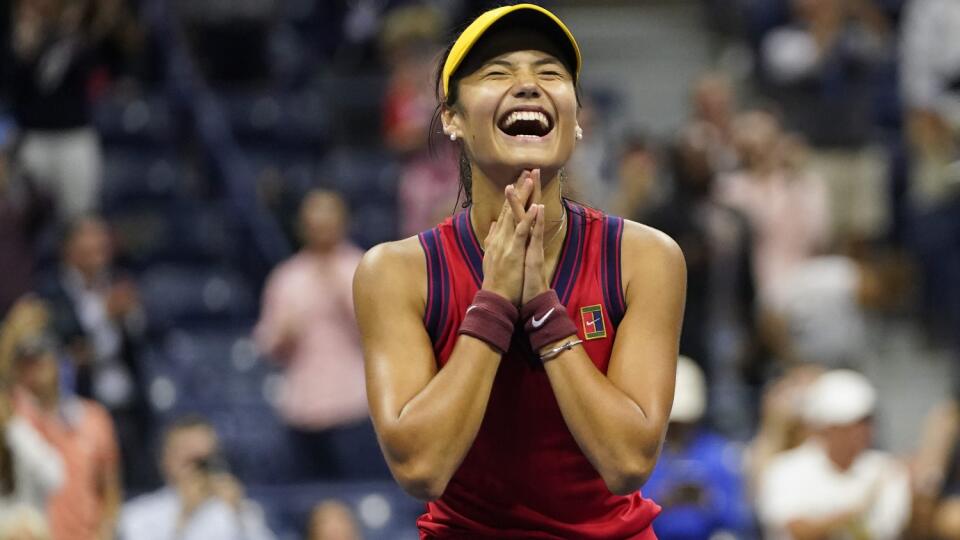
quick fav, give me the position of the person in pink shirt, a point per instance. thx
(785, 203)
(85, 507)
(307, 325)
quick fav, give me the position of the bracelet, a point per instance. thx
(552, 353)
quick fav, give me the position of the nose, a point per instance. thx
(526, 86)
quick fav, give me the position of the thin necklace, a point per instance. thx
(563, 226)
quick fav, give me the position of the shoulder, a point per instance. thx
(156, 505)
(647, 251)
(96, 417)
(393, 256)
(397, 266)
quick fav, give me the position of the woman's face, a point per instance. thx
(517, 107)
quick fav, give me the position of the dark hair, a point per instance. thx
(435, 134)
(187, 421)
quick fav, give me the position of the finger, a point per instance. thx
(506, 211)
(538, 228)
(537, 187)
(516, 205)
(523, 228)
(491, 234)
(525, 188)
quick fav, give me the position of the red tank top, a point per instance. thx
(525, 476)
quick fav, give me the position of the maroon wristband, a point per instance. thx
(546, 320)
(490, 318)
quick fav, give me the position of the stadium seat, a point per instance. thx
(181, 294)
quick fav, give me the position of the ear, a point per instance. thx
(452, 122)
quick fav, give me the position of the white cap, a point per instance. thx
(839, 397)
(690, 394)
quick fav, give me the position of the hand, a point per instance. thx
(506, 244)
(122, 299)
(534, 271)
(193, 488)
(227, 488)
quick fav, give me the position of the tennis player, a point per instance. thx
(520, 357)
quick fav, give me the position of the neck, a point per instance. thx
(488, 199)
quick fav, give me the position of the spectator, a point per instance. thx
(781, 426)
(53, 61)
(98, 312)
(823, 70)
(931, 91)
(85, 507)
(201, 499)
(714, 105)
(333, 520)
(698, 477)
(307, 325)
(30, 470)
(834, 485)
(785, 203)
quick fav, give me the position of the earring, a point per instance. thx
(579, 132)
(453, 136)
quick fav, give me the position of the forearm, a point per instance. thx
(612, 430)
(428, 438)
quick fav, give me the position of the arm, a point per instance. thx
(427, 419)
(108, 475)
(275, 332)
(619, 420)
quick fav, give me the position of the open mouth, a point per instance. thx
(527, 123)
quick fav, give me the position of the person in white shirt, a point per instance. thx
(834, 487)
(201, 500)
(30, 469)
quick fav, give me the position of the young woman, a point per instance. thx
(520, 357)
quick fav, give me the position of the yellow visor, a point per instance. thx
(481, 24)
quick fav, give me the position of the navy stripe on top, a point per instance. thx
(438, 284)
(612, 281)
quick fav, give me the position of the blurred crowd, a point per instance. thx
(150, 150)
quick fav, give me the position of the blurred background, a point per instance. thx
(186, 188)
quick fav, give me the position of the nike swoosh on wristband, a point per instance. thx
(537, 323)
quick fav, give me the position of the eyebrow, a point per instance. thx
(538, 63)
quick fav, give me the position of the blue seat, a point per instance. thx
(176, 295)
(383, 510)
(174, 231)
(133, 119)
(142, 174)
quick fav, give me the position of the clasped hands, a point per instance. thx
(513, 259)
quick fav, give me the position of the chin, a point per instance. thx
(532, 158)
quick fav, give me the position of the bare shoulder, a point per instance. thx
(392, 268)
(648, 247)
